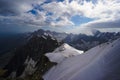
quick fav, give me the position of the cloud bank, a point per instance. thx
(57, 13)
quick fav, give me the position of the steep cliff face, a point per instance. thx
(29, 60)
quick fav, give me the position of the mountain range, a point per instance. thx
(79, 41)
(47, 55)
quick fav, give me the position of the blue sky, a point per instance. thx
(73, 16)
(78, 20)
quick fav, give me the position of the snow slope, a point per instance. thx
(99, 63)
(63, 52)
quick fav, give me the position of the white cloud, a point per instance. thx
(106, 13)
(63, 22)
(103, 23)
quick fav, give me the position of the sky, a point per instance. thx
(73, 16)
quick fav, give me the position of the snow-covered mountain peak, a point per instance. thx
(63, 47)
(63, 52)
